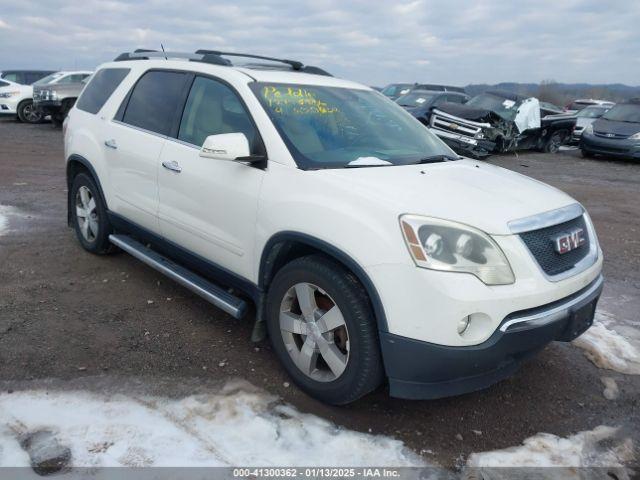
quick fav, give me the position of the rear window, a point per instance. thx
(153, 104)
(100, 88)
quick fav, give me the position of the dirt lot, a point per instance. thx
(71, 318)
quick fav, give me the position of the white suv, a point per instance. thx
(370, 250)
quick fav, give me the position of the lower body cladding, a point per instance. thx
(422, 370)
(622, 148)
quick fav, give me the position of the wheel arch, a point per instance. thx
(286, 246)
(78, 164)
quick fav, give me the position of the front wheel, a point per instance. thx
(554, 142)
(323, 330)
(28, 113)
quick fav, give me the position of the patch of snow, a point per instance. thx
(607, 349)
(611, 391)
(3, 219)
(239, 425)
(599, 447)
(6, 212)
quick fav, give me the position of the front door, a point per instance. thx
(209, 206)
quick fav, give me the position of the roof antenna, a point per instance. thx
(162, 47)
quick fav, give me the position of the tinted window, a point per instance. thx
(213, 108)
(153, 104)
(13, 77)
(4, 84)
(100, 88)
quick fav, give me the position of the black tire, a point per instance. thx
(555, 141)
(57, 119)
(586, 153)
(364, 371)
(28, 113)
(97, 243)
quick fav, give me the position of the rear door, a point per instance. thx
(209, 206)
(134, 140)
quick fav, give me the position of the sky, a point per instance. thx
(373, 42)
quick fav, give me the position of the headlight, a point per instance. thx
(588, 129)
(452, 247)
(8, 94)
(635, 136)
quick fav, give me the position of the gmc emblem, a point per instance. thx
(565, 242)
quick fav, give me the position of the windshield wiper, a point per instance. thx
(438, 158)
(367, 162)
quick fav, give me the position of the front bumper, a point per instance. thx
(422, 370)
(470, 147)
(622, 148)
(48, 106)
(9, 106)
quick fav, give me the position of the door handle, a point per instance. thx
(111, 144)
(172, 165)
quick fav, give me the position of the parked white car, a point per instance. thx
(17, 100)
(370, 250)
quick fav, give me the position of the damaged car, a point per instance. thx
(495, 122)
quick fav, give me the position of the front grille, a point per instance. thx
(452, 126)
(540, 244)
(609, 135)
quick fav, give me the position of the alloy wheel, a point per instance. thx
(314, 332)
(31, 113)
(87, 214)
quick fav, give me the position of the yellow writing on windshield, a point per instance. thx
(296, 101)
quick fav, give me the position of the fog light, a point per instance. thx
(463, 325)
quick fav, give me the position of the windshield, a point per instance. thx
(592, 112)
(330, 127)
(397, 89)
(624, 113)
(49, 78)
(414, 99)
(504, 107)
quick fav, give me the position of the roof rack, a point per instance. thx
(215, 57)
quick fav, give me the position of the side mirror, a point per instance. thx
(226, 146)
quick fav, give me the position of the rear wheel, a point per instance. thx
(28, 113)
(89, 215)
(323, 330)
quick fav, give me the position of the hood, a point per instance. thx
(584, 121)
(602, 125)
(461, 110)
(465, 191)
(415, 111)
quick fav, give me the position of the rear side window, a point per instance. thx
(100, 88)
(154, 101)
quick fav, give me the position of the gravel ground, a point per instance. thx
(69, 319)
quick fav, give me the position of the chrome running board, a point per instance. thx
(214, 294)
